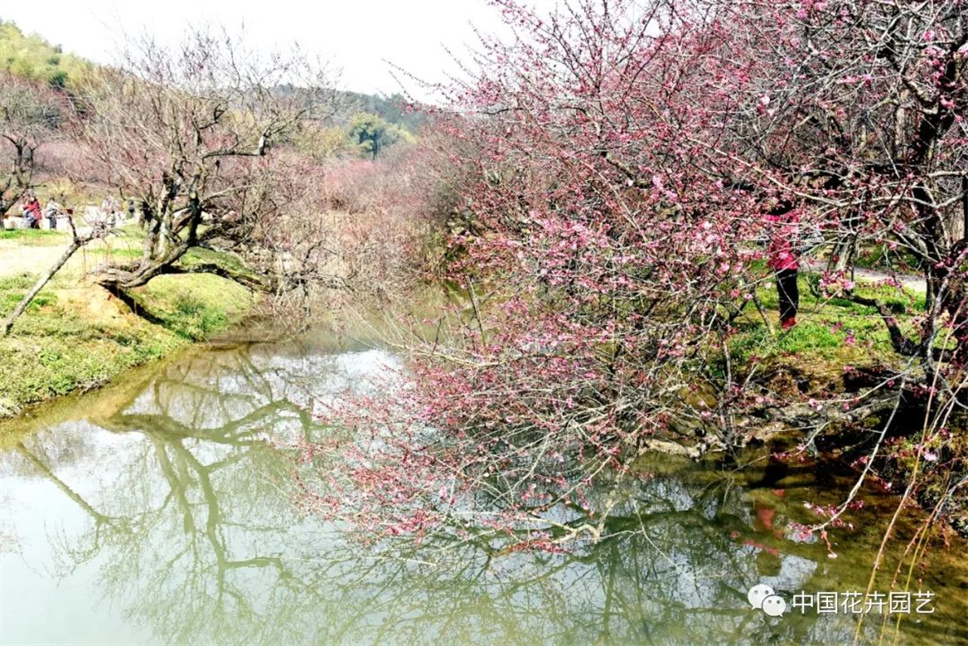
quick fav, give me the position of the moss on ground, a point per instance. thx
(75, 338)
(195, 306)
(831, 333)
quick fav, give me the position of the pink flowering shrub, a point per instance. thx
(610, 172)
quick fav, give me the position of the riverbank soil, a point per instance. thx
(75, 336)
(818, 377)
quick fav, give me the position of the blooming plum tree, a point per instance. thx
(611, 169)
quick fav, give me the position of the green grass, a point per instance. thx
(198, 256)
(879, 257)
(116, 253)
(35, 237)
(195, 306)
(55, 350)
(61, 344)
(128, 235)
(23, 282)
(9, 300)
(14, 288)
(829, 330)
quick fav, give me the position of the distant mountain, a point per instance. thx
(32, 57)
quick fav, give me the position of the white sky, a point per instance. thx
(359, 36)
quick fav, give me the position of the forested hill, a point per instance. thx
(33, 57)
(391, 109)
(394, 110)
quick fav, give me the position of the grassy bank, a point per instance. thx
(831, 333)
(75, 336)
(809, 361)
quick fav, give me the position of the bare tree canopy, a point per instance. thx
(30, 113)
(190, 134)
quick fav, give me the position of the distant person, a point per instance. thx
(109, 210)
(131, 208)
(105, 209)
(144, 219)
(51, 210)
(31, 211)
(784, 260)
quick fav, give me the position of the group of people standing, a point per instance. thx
(33, 214)
(112, 212)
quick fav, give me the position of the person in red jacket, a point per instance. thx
(785, 262)
(31, 210)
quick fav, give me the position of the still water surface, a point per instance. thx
(157, 512)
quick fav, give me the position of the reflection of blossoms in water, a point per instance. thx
(175, 516)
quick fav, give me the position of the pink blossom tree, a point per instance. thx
(610, 168)
(603, 265)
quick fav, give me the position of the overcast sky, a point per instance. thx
(359, 36)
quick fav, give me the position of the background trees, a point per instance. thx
(190, 135)
(373, 134)
(30, 114)
(33, 58)
(213, 145)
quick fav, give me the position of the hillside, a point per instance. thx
(32, 57)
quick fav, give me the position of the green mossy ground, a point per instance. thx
(810, 359)
(75, 336)
(831, 332)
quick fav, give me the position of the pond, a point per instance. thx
(157, 511)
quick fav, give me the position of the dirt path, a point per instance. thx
(34, 255)
(18, 257)
(908, 281)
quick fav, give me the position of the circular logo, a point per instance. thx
(758, 593)
(774, 605)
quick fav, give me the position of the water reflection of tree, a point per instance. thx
(197, 539)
